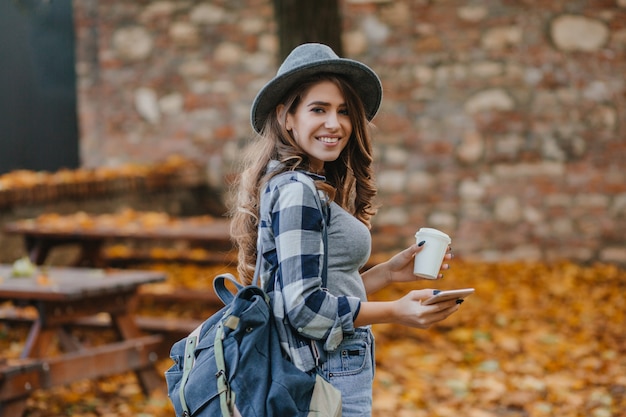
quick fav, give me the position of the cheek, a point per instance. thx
(301, 129)
(347, 128)
(345, 144)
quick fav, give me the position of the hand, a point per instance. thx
(397, 269)
(401, 265)
(409, 310)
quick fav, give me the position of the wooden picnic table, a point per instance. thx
(51, 356)
(90, 232)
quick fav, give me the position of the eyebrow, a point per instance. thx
(323, 103)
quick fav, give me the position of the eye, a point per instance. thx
(317, 110)
(344, 112)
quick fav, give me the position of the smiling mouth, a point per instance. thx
(327, 139)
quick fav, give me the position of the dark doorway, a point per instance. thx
(308, 21)
(38, 120)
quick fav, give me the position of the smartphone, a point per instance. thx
(448, 295)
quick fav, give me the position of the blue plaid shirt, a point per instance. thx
(291, 239)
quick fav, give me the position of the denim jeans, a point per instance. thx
(350, 369)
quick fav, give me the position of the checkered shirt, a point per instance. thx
(291, 238)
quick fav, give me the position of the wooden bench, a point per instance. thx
(63, 296)
(171, 329)
(135, 354)
(18, 378)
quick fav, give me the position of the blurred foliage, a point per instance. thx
(535, 340)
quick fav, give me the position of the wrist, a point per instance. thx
(388, 274)
(395, 312)
(376, 312)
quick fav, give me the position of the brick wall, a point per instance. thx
(503, 122)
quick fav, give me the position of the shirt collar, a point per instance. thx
(274, 165)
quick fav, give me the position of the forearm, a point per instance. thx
(407, 311)
(375, 312)
(376, 278)
(397, 269)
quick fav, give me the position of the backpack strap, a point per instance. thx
(189, 360)
(325, 219)
(227, 396)
(219, 285)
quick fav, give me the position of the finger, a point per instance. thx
(439, 313)
(410, 252)
(445, 311)
(451, 310)
(421, 295)
(442, 306)
(417, 247)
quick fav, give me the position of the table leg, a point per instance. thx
(31, 339)
(38, 342)
(37, 249)
(67, 341)
(149, 378)
(90, 254)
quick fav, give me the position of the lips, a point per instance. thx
(327, 139)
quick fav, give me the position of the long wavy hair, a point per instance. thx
(349, 179)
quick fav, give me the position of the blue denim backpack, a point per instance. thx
(233, 365)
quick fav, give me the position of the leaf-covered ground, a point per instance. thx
(535, 340)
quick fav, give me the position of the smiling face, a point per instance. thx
(320, 124)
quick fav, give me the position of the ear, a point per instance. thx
(279, 110)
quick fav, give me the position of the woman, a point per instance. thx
(312, 120)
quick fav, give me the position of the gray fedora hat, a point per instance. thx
(312, 58)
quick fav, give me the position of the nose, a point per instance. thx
(332, 121)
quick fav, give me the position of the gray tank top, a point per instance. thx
(349, 247)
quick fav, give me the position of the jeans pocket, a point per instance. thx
(350, 370)
(351, 358)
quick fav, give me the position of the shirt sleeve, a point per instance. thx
(297, 223)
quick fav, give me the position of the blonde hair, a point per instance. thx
(349, 179)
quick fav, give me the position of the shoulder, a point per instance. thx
(290, 178)
(294, 183)
(291, 189)
(293, 178)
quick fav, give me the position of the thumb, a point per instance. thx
(414, 249)
(423, 294)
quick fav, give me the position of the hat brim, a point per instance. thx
(363, 79)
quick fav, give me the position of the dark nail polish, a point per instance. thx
(421, 243)
(435, 292)
(459, 301)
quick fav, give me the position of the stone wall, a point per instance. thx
(503, 122)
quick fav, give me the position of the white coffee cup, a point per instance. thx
(428, 261)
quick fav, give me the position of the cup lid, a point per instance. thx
(433, 232)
